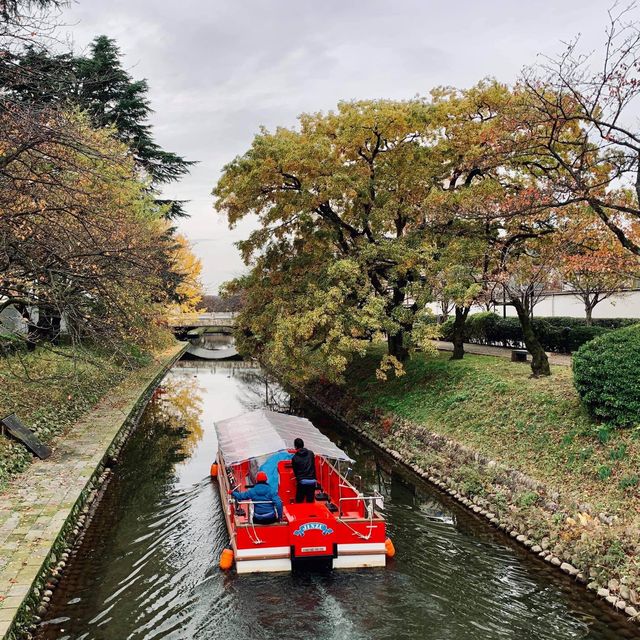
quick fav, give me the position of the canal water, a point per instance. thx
(147, 567)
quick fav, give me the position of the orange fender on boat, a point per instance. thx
(389, 549)
(214, 470)
(226, 559)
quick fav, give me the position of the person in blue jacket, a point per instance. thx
(267, 507)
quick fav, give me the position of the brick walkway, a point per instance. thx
(36, 504)
(500, 352)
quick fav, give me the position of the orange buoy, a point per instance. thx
(214, 470)
(226, 559)
(389, 549)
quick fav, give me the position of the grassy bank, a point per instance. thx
(495, 407)
(583, 502)
(50, 389)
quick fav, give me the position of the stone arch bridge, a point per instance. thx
(194, 326)
(186, 321)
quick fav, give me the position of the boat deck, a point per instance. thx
(344, 500)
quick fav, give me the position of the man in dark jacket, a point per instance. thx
(267, 507)
(304, 469)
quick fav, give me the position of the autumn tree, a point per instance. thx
(345, 193)
(514, 255)
(521, 252)
(459, 279)
(423, 198)
(596, 266)
(579, 109)
(187, 268)
(305, 316)
(490, 208)
(81, 240)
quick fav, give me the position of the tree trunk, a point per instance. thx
(589, 315)
(395, 342)
(458, 332)
(444, 307)
(395, 346)
(539, 360)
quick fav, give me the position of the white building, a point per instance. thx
(567, 304)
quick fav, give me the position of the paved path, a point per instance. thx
(36, 504)
(484, 350)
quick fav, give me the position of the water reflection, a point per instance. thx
(214, 340)
(258, 389)
(179, 401)
(147, 568)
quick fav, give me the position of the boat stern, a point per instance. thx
(312, 537)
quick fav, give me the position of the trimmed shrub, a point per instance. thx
(614, 323)
(481, 327)
(509, 333)
(606, 373)
(575, 337)
(446, 329)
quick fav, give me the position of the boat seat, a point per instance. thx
(287, 483)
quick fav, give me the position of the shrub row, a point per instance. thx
(560, 334)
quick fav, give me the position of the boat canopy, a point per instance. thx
(262, 432)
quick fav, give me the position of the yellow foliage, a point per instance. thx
(189, 268)
(389, 364)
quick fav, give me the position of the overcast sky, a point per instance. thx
(218, 69)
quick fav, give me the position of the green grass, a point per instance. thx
(495, 407)
(49, 390)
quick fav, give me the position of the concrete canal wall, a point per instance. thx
(44, 510)
(435, 458)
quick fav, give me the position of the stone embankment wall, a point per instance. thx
(45, 510)
(549, 525)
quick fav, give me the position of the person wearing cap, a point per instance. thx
(267, 506)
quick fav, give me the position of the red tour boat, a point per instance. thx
(342, 526)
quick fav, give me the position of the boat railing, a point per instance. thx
(250, 504)
(370, 503)
(327, 470)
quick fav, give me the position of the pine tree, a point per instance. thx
(112, 97)
(99, 85)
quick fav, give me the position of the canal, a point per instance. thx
(147, 566)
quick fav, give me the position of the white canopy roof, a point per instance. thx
(263, 432)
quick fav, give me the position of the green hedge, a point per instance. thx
(606, 373)
(560, 334)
